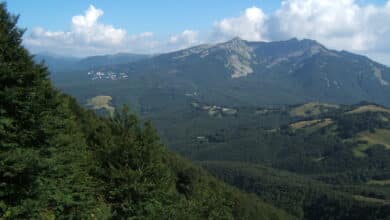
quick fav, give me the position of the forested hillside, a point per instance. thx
(61, 161)
(310, 160)
(323, 162)
(240, 73)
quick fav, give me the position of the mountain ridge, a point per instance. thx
(61, 161)
(59, 63)
(250, 73)
(304, 69)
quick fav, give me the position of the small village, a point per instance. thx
(110, 75)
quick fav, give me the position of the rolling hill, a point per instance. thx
(61, 161)
(235, 73)
(271, 118)
(58, 64)
(333, 156)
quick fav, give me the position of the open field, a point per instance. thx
(101, 102)
(369, 108)
(379, 182)
(380, 136)
(312, 124)
(311, 109)
(370, 199)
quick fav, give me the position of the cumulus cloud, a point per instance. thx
(86, 28)
(141, 43)
(88, 36)
(341, 24)
(185, 39)
(250, 25)
(86, 32)
(338, 24)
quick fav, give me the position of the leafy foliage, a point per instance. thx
(302, 197)
(60, 161)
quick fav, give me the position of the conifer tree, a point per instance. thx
(60, 161)
(43, 159)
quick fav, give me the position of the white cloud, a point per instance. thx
(341, 24)
(141, 43)
(86, 34)
(86, 28)
(338, 24)
(250, 25)
(185, 39)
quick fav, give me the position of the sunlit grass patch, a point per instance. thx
(368, 139)
(101, 102)
(371, 199)
(369, 108)
(312, 109)
(379, 182)
(312, 124)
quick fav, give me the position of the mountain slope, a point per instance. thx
(260, 73)
(301, 196)
(60, 161)
(58, 64)
(106, 60)
(336, 156)
(55, 62)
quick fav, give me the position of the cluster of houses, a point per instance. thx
(110, 75)
(216, 111)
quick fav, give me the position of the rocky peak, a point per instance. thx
(239, 56)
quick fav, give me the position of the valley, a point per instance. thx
(150, 114)
(254, 113)
(338, 152)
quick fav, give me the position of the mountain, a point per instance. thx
(106, 60)
(57, 63)
(310, 160)
(300, 158)
(266, 73)
(304, 158)
(61, 161)
(235, 73)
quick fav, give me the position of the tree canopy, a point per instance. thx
(61, 161)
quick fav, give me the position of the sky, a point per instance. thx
(83, 28)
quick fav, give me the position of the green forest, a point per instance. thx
(61, 161)
(142, 150)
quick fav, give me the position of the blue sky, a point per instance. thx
(163, 17)
(81, 28)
